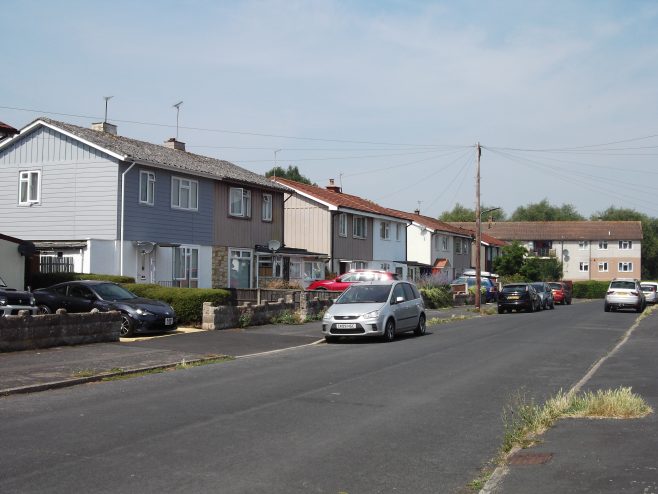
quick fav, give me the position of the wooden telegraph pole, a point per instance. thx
(478, 234)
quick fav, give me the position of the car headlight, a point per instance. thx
(326, 317)
(371, 315)
(3, 300)
(33, 301)
(143, 312)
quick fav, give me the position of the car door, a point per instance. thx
(80, 299)
(398, 307)
(414, 305)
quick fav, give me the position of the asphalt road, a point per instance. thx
(414, 416)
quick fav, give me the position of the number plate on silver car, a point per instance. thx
(344, 325)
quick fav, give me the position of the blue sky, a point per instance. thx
(387, 97)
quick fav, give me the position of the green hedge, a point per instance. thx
(590, 289)
(437, 297)
(43, 280)
(187, 302)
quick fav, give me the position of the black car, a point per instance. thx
(518, 296)
(140, 315)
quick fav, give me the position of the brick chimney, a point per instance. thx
(416, 211)
(333, 187)
(172, 143)
(104, 127)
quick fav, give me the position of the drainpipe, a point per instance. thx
(123, 197)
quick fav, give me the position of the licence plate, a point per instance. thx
(345, 325)
(513, 297)
(169, 321)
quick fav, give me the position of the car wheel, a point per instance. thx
(640, 308)
(422, 327)
(606, 307)
(552, 305)
(389, 330)
(569, 302)
(501, 310)
(44, 309)
(127, 326)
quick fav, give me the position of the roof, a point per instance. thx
(561, 230)
(433, 223)
(337, 199)
(7, 130)
(157, 155)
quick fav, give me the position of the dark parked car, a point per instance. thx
(518, 296)
(139, 315)
(491, 288)
(561, 292)
(545, 294)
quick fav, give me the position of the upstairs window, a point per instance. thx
(184, 194)
(342, 225)
(625, 244)
(583, 245)
(267, 207)
(603, 245)
(359, 227)
(458, 245)
(29, 188)
(444, 242)
(385, 230)
(583, 267)
(240, 202)
(398, 232)
(146, 187)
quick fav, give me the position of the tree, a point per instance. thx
(511, 259)
(292, 173)
(462, 213)
(543, 211)
(649, 235)
(537, 269)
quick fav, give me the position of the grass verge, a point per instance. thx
(121, 374)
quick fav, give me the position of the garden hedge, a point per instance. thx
(590, 289)
(437, 297)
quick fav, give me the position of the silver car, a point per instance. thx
(650, 289)
(379, 308)
(624, 293)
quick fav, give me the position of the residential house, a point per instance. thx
(357, 233)
(589, 250)
(436, 248)
(490, 248)
(96, 202)
(14, 260)
(7, 131)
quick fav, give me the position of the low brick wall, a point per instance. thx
(60, 329)
(225, 317)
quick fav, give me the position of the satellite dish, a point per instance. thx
(274, 245)
(565, 252)
(26, 249)
(566, 258)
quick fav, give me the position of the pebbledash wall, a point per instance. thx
(26, 332)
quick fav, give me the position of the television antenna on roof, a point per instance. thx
(177, 106)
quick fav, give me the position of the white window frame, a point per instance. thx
(185, 265)
(583, 267)
(458, 245)
(342, 225)
(385, 230)
(625, 267)
(359, 265)
(295, 269)
(239, 202)
(29, 196)
(603, 267)
(313, 270)
(356, 221)
(147, 184)
(444, 243)
(385, 266)
(241, 254)
(398, 232)
(603, 245)
(583, 245)
(267, 207)
(625, 245)
(179, 185)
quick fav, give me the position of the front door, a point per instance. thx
(145, 267)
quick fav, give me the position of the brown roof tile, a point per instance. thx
(560, 230)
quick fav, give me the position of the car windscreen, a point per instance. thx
(363, 294)
(648, 288)
(555, 286)
(110, 291)
(515, 288)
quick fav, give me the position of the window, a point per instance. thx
(603, 245)
(184, 193)
(359, 265)
(625, 244)
(240, 202)
(186, 267)
(313, 270)
(342, 225)
(267, 207)
(384, 230)
(584, 266)
(385, 266)
(625, 267)
(29, 188)
(603, 267)
(458, 245)
(295, 269)
(398, 271)
(359, 227)
(444, 242)
(239, 268)
(583, 245)
(146, 187)
(398, 232)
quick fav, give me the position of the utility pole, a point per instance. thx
(478, 233)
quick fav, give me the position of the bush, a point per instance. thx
(187, 302)
(43, 280)
(437, 297)
(590, 289)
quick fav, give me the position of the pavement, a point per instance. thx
(576, 455)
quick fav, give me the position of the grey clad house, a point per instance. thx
(95, 202)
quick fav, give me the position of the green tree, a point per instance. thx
(537, 269)
(543, 211)
(649, 235)
(292, 173)
(462, 213)
(511, 259)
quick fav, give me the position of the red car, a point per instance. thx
(345, 280)
(561, 292)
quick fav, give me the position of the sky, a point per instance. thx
(389, 98)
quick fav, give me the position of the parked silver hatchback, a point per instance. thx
(378, 308)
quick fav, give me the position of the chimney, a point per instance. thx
(333, 187)
(172, 143)
(104, 127)
(416, 211)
